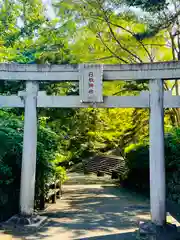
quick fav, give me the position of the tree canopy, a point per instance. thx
(92, 32)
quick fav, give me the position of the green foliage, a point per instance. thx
(172, 153)
(148, 5)
(137, 162)
(33, 38)
(10, 160)
(11, 138)
(108, 32)
(60, 172)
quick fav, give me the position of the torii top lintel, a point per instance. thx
(47, 72)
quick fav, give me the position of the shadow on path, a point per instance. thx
(92, 212)
(121, 236)
(100, 210)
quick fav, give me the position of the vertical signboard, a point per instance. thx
(91, 83)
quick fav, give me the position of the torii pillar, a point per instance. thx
(28, 169)
(157, 228)
(157, 156)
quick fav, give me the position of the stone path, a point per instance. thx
(91, 211)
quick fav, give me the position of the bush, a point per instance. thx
(11, 138)
(172, 154)
(137, 162)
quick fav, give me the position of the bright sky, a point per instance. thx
(49, 10)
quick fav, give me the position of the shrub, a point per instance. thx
(137, 162)
(172, 154)
(11, 138)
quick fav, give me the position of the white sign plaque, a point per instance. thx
(91, 84)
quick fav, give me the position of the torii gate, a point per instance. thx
(90, 79)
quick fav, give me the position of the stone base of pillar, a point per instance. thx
(24, 223)
(150, 231)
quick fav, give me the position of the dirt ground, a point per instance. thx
(91, 208)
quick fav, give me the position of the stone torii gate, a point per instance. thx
(90, 79)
